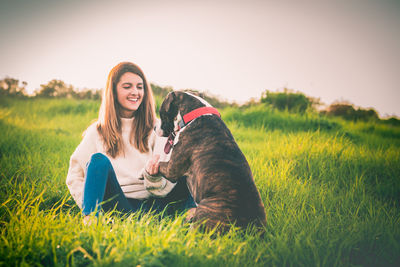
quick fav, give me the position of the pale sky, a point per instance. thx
(334, 50)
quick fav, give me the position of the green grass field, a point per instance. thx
(331, 191)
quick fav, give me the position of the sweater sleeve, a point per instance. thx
(77, 164)
(157, 185)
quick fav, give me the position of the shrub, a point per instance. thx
(392, 121)
(288, 100)
(348, 112)
(161, 91)
(11, 86)
(55, 88)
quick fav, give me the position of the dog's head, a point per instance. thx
(174, 106)
(168, 113)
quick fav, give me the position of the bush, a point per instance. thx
(161, 91)
(348, 112)
(288, 100)
(11, 86)
(85, 93)
(55, 88)
(392, 121)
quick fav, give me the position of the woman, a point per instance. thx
(116, 163)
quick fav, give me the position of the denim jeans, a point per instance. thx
(103, 192)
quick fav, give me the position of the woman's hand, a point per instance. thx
(152, 165)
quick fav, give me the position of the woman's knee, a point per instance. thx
(99, 159)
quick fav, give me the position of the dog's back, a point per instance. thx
(220, 177)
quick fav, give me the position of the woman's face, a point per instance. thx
(130, 93)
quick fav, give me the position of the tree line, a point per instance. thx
(53, 89)
(287, 100)
(298, 102)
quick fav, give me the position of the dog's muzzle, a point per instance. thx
(157, 129)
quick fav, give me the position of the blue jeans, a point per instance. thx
(103, 192)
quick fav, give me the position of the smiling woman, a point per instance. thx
(116, 163)
(122, 88)
(130, 93)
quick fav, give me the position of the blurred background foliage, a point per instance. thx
(286, 100)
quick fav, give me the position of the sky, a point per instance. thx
(339, 50)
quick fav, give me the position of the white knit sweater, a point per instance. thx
(128, 167)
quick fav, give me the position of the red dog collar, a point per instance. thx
(186, 119)
(197, 113)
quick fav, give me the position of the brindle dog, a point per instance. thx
(218, 175)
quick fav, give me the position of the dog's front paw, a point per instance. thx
(167, 173)
(163, 168)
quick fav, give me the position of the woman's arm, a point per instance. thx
(75, 180)
(77, 164)
(155, 183)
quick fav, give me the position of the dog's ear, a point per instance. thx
(169, 101)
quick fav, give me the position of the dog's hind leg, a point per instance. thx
(190, 214)
(207, 219)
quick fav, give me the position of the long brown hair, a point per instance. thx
(109, 124)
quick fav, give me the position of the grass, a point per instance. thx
(331, 190)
